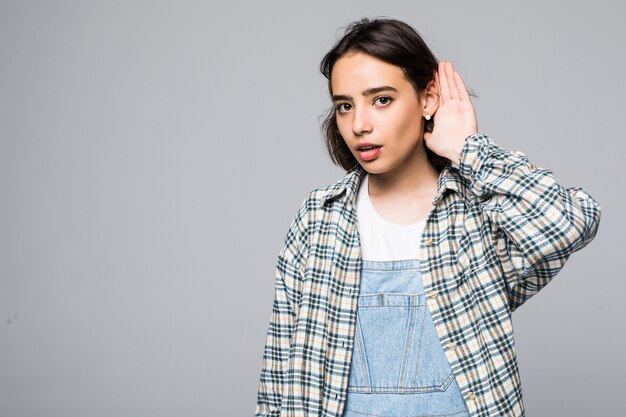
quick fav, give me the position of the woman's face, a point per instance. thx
(376, 104)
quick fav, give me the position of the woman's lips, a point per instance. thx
(369, 154)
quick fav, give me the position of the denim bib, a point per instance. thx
(398, 366)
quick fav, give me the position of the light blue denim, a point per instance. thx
(398, 366)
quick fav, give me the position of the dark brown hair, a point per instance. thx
(392, 41)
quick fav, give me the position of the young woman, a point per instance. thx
(395, 285)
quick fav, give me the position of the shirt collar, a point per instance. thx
(449, 179)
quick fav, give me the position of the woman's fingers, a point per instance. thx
(443, 83)
(460, 86)
(450, 82)
(454, 94)
(438, 83)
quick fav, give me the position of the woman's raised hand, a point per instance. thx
(455, 118)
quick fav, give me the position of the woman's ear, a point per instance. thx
(430, 98)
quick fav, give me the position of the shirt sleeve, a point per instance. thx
(538, 223)
(288, 279)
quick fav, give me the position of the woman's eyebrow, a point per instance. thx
(365, 93)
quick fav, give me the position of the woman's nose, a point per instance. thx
(361, 122)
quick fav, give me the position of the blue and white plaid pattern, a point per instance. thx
(500, 229)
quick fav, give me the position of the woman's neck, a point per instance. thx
(413, 178)
(404, 195)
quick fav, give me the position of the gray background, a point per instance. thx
(153, 154)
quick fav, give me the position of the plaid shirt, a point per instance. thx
(500, 229)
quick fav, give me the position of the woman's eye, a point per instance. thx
(339, 107)
(384, 100)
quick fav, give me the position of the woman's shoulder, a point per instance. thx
(346, 186)
(317, 200)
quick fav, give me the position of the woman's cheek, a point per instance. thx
(411, 126)
(343, 131)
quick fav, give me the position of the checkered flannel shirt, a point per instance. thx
(500, 229)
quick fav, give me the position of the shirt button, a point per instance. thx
(452, 346)
(471, 396)
(432, 294)
(429, 242)
(343, 343)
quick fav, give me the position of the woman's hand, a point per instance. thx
(454, 119)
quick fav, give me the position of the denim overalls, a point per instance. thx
(398, 366)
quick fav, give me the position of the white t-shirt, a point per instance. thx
(382, 240)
